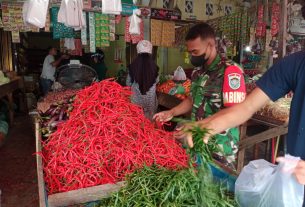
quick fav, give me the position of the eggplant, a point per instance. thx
(54, 118)
(40, 113)
(62, 113)
(49, 111)
(55, 111)
(54, 124)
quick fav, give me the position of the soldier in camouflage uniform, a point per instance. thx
(207, 90)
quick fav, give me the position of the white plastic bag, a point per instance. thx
(134, 27)
(69, 43)
(179, 74)
(262, 184)
(35, 12)
(112, 7)
(25, 12)
(71, 14)
(296, 20)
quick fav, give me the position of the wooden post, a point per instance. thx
(283, 30)
(41, 186)
(83, 195)
(241, 152)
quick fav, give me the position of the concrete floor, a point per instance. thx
(18, 178)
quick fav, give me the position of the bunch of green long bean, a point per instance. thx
(156, 187)
(202, 151)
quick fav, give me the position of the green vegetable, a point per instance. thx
(155, 186)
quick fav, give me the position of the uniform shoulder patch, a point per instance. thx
(234, 80)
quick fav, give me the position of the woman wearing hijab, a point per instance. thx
(143, 78)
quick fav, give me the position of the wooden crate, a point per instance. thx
(74, 197)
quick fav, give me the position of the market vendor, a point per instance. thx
(217, 83)
(48, 70)
(99, 65)
(143, 78)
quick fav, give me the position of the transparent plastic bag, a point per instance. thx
(135, 21)
(262, 184)
(179, 74)
(35, 12)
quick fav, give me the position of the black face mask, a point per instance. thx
(199, 61)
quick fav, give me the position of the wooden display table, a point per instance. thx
(7, 90)
(276, 129)
(274, 115)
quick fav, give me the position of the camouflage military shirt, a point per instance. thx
(206, 91)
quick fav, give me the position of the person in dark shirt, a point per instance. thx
(98, 64)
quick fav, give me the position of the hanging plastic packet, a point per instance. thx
(84, 31)
(105, 30)
(98, 28)
(135, 20)
(111, 7)
(92, 32)
(35, 12)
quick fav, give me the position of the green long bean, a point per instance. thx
(159, 187)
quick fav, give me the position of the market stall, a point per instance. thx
(106, 175)
(93, 146)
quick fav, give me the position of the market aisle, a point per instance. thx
(18, 180)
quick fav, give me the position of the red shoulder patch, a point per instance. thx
(234, 88)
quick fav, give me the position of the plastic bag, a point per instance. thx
(72, 17)
(134, 27)
(112, 7)
(262, 184)
(25, 12)
(35, 12)
(179, 74)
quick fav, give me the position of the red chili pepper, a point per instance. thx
(105, 138)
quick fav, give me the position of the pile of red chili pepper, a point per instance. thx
(105, 138)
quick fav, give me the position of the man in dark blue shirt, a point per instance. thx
(285, 76)
(289, 75)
